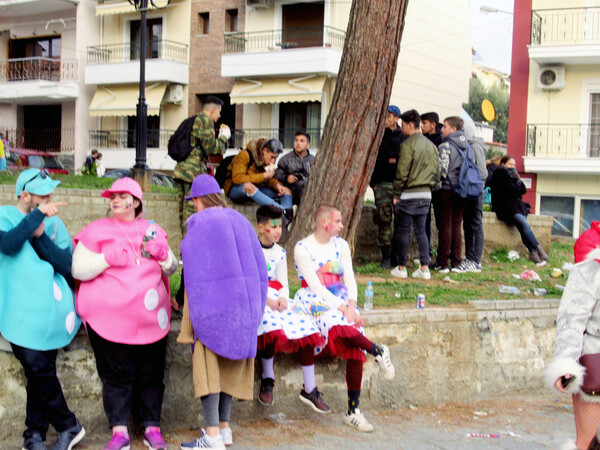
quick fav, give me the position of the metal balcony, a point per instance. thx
(241, 136)
(130, 51)
(38, 68)
(102, 139)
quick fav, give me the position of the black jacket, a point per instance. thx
(387, 157)
(436, 138)
(506, 195)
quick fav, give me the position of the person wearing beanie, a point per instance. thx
(37, 309)
(382, 182)
(226, 290)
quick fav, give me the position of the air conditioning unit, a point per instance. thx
(258, 3)
(175, 94)
(551, 78)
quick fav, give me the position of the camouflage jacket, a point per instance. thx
(204, 143)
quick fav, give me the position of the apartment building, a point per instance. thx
(42, 95)
(555, 109)
(112, 68)
(286, 63)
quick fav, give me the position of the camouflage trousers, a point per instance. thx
(384, 214)
(186, 207)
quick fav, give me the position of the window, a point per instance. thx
(42, 63)
(203, 23)
(153, 131)
(305, 116)
(590, 210)
(231, 20)
(562, 209)
(594, 140)
(153, 39)
(302, 25)
(46, 47)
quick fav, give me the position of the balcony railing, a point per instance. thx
(262, 41)
(565, 26)
(43, 139)
(240, 137)
(130, 51)
(38, 68)
(563, 141)
(127, 138)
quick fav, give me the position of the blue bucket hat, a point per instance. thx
(35, 181)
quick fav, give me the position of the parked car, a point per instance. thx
(158, 178)
(21, 158)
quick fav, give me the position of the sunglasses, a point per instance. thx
(42, 173)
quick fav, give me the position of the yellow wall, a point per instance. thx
(558, 107)
(567, 184)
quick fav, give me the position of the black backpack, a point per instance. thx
(180, 144)
(221, 172)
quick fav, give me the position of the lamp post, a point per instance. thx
(140, 171)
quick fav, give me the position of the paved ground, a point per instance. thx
(523, 421)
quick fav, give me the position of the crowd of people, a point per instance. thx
(236, 307)
(423, 165)
(234, 292)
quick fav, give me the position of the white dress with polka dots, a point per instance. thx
(322, 304)
(294, 327)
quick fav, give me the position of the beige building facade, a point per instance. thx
(563, 112)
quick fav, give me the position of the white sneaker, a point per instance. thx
(385, 364)
(227, 436)
(425, 275)
(204, 441)
(399, 273)
(357, 420)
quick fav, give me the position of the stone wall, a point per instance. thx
(476, 352)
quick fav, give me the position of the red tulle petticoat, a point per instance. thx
(338, 345)
(285, 345)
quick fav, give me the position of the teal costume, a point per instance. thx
(37, 308)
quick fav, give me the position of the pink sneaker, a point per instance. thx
(154, 440)
(119, 441)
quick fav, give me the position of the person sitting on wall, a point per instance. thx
(293, 169)
(251, 175)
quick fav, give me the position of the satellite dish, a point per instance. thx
(487, 109)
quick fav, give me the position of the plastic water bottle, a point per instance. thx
(509, 290)
(540, 292)
(369, 297)
(148, 236)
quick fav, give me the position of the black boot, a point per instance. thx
(386, 251)
(541, 252)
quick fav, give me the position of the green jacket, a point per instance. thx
(204, 143)
(419, 166)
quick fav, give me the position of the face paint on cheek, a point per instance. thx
(329, 227)
(128, 205)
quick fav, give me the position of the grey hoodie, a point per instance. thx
(478, 147)
(450, 159)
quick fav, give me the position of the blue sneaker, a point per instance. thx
(69, 438)
(34, 442)
(204, 441)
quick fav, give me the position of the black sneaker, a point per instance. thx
(314, 400)
(69, 438)
(34, 442)
(434, 265)
(265, 395)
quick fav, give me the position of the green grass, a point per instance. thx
(79, 182)
(497, 270)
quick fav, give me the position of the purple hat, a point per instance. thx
(125, 184)
(204, 185)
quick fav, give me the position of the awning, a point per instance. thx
(278, 90)
(122, 100)
(106, 9)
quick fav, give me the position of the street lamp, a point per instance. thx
(140, 171)
(489, 10)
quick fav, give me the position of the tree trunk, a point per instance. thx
(354, 126)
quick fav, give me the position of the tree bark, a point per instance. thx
(355, 124)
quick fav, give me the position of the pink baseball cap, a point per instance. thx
(125, 184)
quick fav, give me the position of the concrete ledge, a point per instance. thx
(441, 354)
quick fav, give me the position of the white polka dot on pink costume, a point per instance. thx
(57, 292)
(163, 318)
(151, 299)
(70, 322)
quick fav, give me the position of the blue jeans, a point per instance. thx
(262, 196)
(413, 213)
(527, 236)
